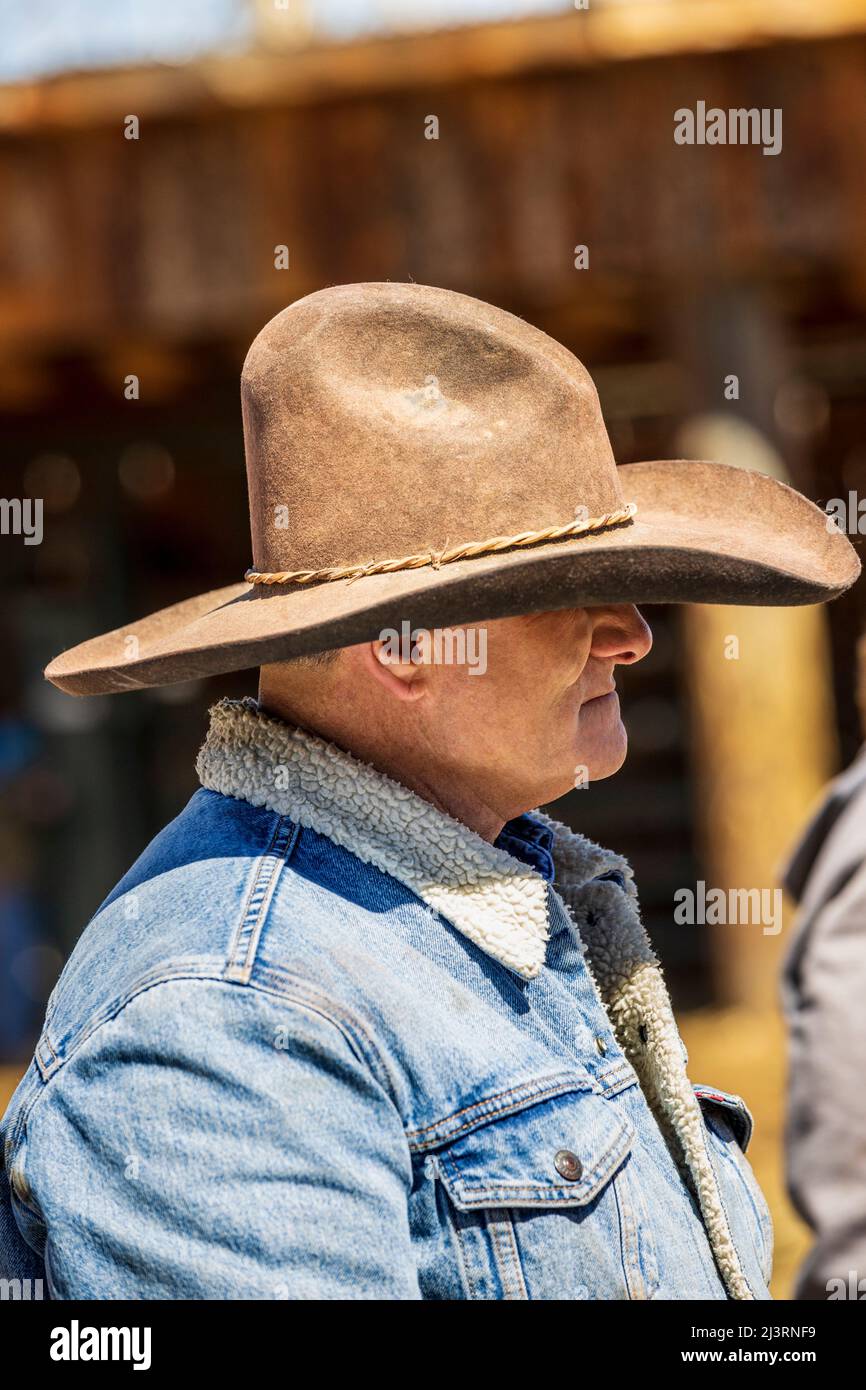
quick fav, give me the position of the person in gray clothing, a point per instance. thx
(824, 996)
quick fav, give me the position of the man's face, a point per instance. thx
(544, 714)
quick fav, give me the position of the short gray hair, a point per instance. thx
(314, 661)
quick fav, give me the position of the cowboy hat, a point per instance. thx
(414, 454)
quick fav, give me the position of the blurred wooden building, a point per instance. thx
(152, 220)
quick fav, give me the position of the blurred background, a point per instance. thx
(150, 248)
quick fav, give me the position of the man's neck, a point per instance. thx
(417, 769)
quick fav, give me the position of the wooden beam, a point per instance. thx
(622, 30)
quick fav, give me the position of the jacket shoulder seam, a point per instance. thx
(274, 984)
(306, 998)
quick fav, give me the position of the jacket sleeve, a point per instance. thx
(216, 1141)
(824, 990)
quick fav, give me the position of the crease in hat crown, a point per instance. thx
(385, 421)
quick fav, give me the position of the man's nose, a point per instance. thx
(620, 634)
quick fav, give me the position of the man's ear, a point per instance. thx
(402, 679)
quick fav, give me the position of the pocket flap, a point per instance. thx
(557, 1153)
(734, 1109)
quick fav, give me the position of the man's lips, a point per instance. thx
(605, 695)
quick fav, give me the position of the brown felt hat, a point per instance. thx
(414, 454)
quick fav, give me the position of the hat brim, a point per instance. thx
(703, 533)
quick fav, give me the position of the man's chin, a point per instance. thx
(604, 763)
(606, 759)
(608, 769)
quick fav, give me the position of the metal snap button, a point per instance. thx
(568, 1165)
(601, 1045)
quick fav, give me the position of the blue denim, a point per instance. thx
(528, 839)
(270, 1071)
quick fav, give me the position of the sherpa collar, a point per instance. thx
(495, 900)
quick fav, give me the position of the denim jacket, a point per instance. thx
(323, 1041)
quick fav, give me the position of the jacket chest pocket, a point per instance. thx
(540, 1202)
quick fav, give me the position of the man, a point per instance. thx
(361, 1023)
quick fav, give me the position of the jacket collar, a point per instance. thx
(498, 902)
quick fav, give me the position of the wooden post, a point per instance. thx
(763, 744)
(762, 719)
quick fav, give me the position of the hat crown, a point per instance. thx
(383, 420)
